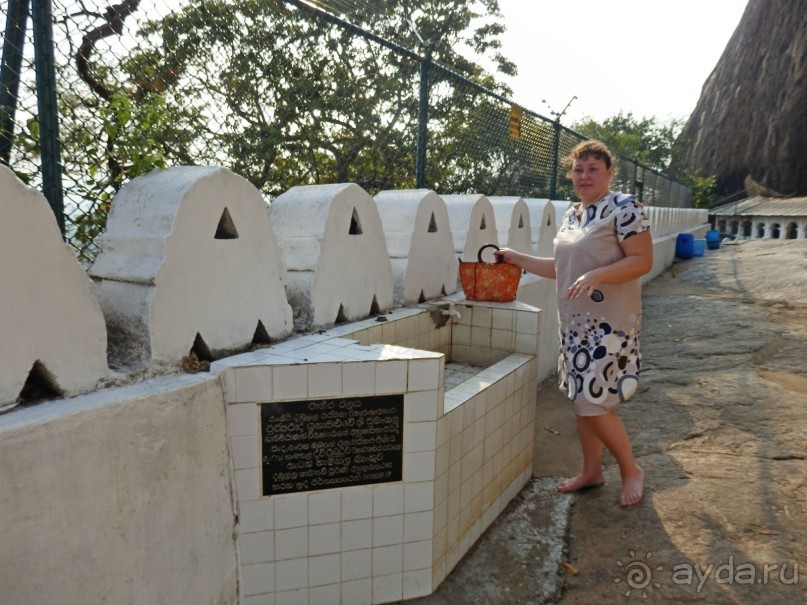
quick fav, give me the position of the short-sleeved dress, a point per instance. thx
(599, 361)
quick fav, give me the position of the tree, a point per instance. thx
(644, 140)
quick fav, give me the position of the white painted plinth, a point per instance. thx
(187, 251)
(333, 242)
(473, 224)
(513, 223)
(543, 226)
(420, 245)
(48, 312)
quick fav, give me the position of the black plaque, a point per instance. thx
(330, 443)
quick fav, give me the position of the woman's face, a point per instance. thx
(590, 178)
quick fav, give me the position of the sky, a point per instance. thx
(647, 57)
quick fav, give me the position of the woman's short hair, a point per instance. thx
(590, 148)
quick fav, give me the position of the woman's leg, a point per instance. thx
(608, 429)
(592, 460)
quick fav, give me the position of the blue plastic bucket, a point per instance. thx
(713, 239)
(698, 247)
(684, 245)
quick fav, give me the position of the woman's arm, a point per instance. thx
(638, 261)
(543, 267)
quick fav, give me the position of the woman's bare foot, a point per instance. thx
(632, 488)
(581, 481)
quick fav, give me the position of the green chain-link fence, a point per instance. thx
(278, 91)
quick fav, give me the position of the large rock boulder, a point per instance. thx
(751, 119)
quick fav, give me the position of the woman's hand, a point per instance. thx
(505, 255)
(585, 285)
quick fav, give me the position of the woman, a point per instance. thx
(602, 248)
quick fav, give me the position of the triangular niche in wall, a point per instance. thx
(355, 224)
(39, 385)
(261, 336)
(200, 349)
(422, 297)
(520, 221)
(340, 315)
(443, 290)
(374, 308)
(483, 225)
(226, 228)
(432, 224)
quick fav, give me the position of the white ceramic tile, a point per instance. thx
(245, 452)
(482, 317)
(258, 515)
(227, 376)
(420, 436)
(419, 496)
(291, 543)
(417, 583)
(526, 343)
(324, 380)
(357, 534)
(527, 323)
(421, 406)
(324, 507)
(502, 340)
(291, 574)
(417, 555)
(357, 564)
(388, 588)
(263, 599)
(419, 466)
(324, 539)
(242, 419)
(387, 530)
(247, 485)
(387, 560)
(325, 595)
(424, 374)
(358, 378)
(326, 569)
(502, 320)
(357, 503)
(418, 526)
(388, 500)
(290, 382)
(257, 548)
(357, 592)
(257, 579)
(391, 376)
(480, 337)
(291, 511)
(461, 335)
(253, 384)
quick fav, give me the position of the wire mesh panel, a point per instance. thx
(275, 90)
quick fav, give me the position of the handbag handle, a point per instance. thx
(485, 247)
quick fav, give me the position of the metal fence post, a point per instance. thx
(47, 108)
(555, 148)
(423, 120)
(16, 24)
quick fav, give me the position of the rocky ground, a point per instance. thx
(720, 427)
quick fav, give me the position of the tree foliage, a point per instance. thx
(644, 140)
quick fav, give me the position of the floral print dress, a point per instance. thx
(599, 361)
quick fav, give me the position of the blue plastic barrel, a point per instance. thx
(698, 247)
(684, 245)
(713, 239)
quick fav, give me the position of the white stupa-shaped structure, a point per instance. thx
(420, 246)
(338, 265)
(473, 224)
(513, 223)
(53, 339)
(189, 262)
